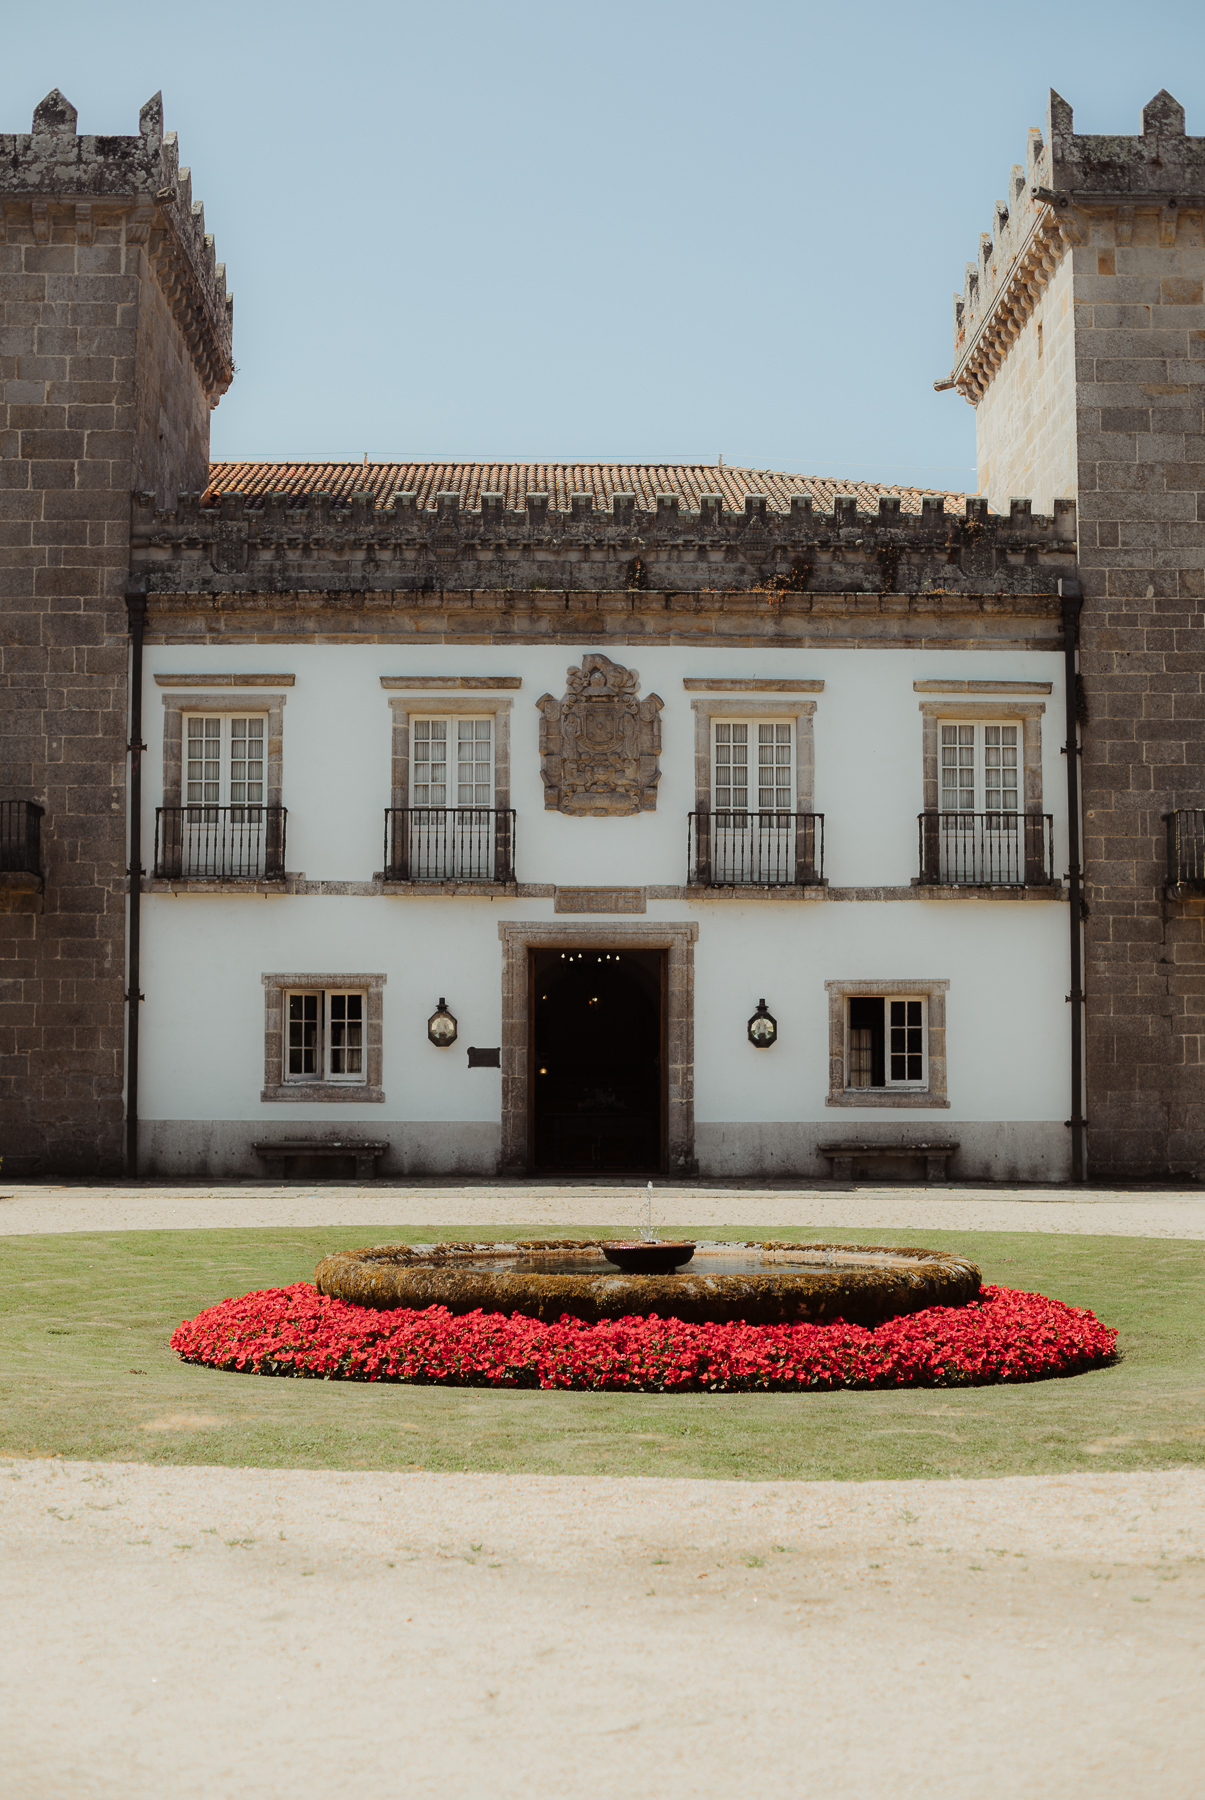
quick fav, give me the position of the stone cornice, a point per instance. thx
(753, 617)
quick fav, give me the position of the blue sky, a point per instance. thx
(651, 232)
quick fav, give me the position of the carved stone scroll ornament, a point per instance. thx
(599, 744)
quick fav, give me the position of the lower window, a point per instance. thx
(325, 1037)
(886, 1042)
(322, 1041)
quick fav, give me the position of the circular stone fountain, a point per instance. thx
(761, 1283)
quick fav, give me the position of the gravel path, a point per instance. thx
(226, 1633)
(223, 1634)
(486, 1206)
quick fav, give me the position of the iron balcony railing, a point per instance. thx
(21, 837)
(1185, 850)
(756, 849)
(227, 843)
(994, 849)
(449, 843)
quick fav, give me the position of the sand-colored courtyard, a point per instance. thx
(226, 1632)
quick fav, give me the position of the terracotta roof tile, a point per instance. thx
(558, 480)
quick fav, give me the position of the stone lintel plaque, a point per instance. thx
(599, 744)
(599, 900)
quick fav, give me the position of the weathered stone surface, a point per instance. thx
(307, 543)
(507, 1278)
(1081, 337)
(114, 343)
(599, 744)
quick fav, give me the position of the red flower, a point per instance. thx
(1004, 1335)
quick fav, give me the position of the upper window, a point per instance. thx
(452, 762)
(754, 763)
(224, 759)
(324, 1036)
(979, 767)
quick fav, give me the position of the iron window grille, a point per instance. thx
(735, 848)
(449, 843)
(1185, 850)
(987, 849)
(227, 843)
(21, 837)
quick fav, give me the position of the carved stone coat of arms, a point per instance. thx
(599, 744)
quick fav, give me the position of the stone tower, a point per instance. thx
(1080, 340)
(115, 347)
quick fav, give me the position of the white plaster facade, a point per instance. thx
(756, 1112)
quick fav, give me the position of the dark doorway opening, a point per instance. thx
(597, 1060)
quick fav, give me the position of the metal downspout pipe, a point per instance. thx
(136, 615)
(1069, 593)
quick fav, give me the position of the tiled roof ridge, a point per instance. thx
(559, 480)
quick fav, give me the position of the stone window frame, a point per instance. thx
(1026, 713)
(933, 992)
(518, 939)
(750, 705)
(276, 1087)
(258, 703)
(465, 705)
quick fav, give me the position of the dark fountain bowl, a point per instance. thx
(640, 1258)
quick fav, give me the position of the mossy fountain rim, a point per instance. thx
(868, 1284)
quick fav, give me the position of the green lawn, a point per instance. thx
(85, 1371)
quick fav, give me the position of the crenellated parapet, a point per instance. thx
(1066, 179)
(313, 544)
(57, 187)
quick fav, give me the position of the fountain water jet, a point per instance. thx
(647, 1255)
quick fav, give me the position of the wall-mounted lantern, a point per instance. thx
(441, 1026)
(763, 1028)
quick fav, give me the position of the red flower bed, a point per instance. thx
(1003, 1336)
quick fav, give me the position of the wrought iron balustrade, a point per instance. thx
(993, 849)
(750, 848)
(21, 837)
(449, 843)
(227, 843)
(1185, 850)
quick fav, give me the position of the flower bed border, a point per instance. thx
(1003, 1336)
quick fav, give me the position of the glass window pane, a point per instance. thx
(203, 757)
(474, 783)
(246, 761)
(346, 1034)
(731, 767)
(429, 763)
(301, 1056)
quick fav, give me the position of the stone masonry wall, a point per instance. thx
(66, 360)
(1130, 212)
(171, 406)
(1025, 423)
(105, 276)
(1140, 369)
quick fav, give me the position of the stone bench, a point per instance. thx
(843, 1156)
(365, 1154)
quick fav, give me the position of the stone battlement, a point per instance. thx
(57, 187)
(286, 544)
(1066, 177)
